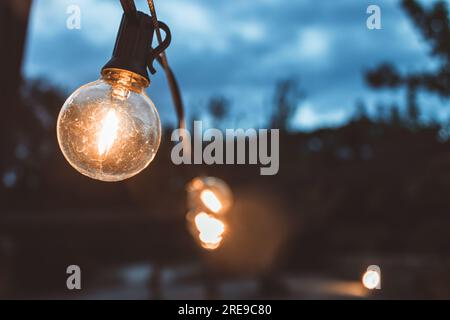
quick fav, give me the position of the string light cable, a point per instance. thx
(160, 55)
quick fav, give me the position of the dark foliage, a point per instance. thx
(433, 24)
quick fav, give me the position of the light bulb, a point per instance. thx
(210, 230)
(371, 279)
(209, 194)
(109, 129)
(210, 200)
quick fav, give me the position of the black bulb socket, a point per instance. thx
(133, 45)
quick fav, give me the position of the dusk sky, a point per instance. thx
(240, 49)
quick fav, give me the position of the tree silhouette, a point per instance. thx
(360, 111)
(395, 117)
(433, 23)
(218, 108)
(287, 97)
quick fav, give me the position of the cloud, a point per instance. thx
(239, 49)
(313, 43)
(250, 31)
(307, 118)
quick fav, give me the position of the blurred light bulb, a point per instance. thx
(210, 230)
(371, 279)
(110, 129)
(209, 194)
(211, 201)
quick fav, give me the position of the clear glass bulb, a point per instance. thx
(109, 129)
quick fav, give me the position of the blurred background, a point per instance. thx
(364, 153)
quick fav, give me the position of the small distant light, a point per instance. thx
(371, 279)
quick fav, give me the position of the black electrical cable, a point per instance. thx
(172, 82)
(176, 94)
(129, 8)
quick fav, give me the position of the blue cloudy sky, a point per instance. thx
(240, 49)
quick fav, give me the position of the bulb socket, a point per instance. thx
(133, 45)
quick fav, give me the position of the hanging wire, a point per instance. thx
(129, 9)
(163, 55)
(171, 80)
(173, 84)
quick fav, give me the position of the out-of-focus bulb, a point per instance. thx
(371, 279)
(210, 200)
(210, 230)
(209, 194)
(109, 129)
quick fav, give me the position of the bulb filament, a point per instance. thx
(108, 132)
(211, 201)
(210, 230)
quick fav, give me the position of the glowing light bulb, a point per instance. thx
(211, 201)
(110, 129)
(209, 194)
(371, 279)
(210, 230)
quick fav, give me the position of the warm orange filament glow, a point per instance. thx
(211, 201)
(210, 230)
(108, 132)
(371, 279)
